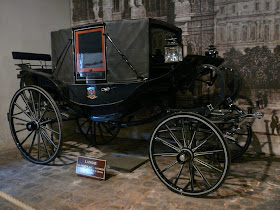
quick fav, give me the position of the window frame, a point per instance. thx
(267, 5)
(116, 6)
(233, 9)
(257, 6)
(76, 34)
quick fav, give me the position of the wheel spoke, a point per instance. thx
(33, 104)
(45, 145)
(83, 123)
(20, 124)
(166, 154)
(20, 119)
(39, 105)
(107, 129)
(46, 108)
(190, 181)
(183, 133)
(191, 142)
(51, 130)
(203, 142)
(187, 185)
(172, 129)
(237, 144)
(174, 137)
(27, 105)
(26, 138)
(24, 111)
(179, 174)
(23, 129)
(191, 173)
(201, 175)
(32, 143)
(207, 165)
(230, 138)
(38, 146)
(168, 144)
(19, 113)
(168, 167)
(89, 128)
(48, 121)
(48, 139)
(241, 134)
(207, 153)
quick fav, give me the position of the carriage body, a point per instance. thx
(111, 69)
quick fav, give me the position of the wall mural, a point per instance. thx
(258, 63)
(246, 33)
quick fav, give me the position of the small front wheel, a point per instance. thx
(184, 152)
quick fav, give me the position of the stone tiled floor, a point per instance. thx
(253, 183)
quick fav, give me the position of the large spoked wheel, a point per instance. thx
(105, 132)
(36, 124)
(185, 152)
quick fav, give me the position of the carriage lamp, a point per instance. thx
(173, 51)
(211, 51)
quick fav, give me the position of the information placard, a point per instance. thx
(91, 167)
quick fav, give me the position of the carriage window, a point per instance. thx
(90, 54)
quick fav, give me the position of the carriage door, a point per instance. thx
(90, 54)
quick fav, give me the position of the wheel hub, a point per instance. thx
(185, 156)
(32, 126)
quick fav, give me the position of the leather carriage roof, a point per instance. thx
(132, 37)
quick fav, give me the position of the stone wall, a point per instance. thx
(246, 24)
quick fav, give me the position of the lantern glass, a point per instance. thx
(173, 53)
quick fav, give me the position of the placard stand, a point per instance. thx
(91, 167)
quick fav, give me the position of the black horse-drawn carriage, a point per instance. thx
(103, 74)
